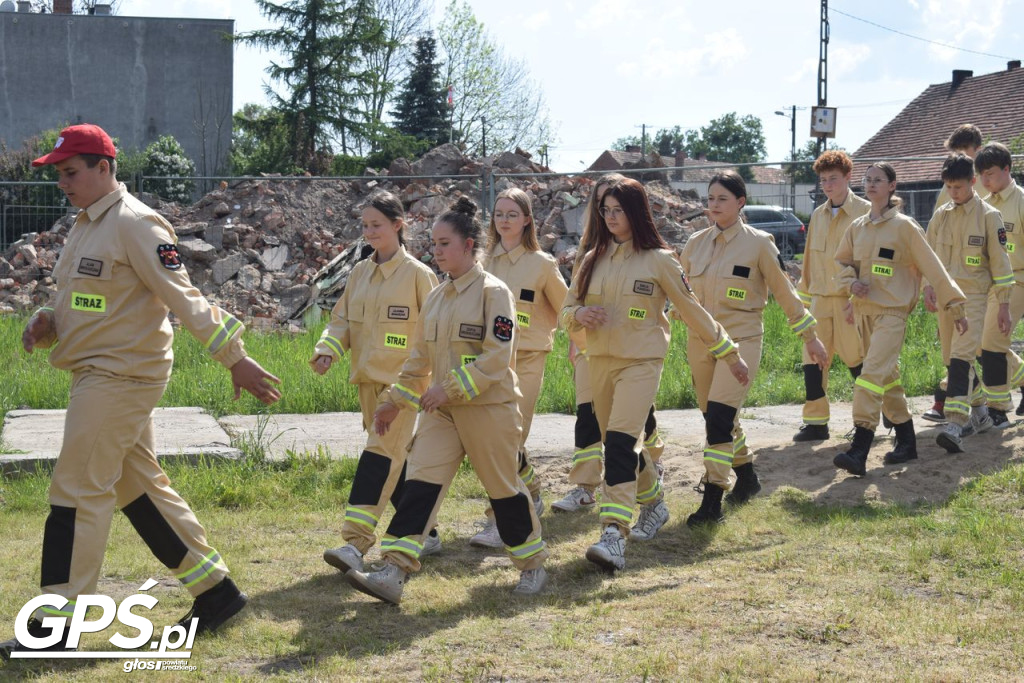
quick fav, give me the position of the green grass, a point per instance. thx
(787, 589)
(197, 380)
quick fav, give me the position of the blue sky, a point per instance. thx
(607, 66)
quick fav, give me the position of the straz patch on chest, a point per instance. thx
(396, 341)
(643, 287)
(736, 294)
(466, 360)
(975, 241)
(503, 328)
(398, 312)
(879, 269)
(637, 313)
(169, 257)
(523, 319)
(89, 303)
(90, 266)
(1010, 247)
(467, 331)
(972, 260)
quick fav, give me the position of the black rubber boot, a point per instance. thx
(36, 630)
(811, 433)
(710, 510)
(855, 459)
(215, 606)
(747, 485)
(906, 445)
(1020, 407)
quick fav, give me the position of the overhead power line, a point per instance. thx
(923, 40)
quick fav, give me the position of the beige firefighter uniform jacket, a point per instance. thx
(538, 289)
(968, 239)
(1010, 204)
(824, 232)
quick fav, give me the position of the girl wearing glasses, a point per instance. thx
(514, 256)
(459, 377)
(732, 269)
(882, 257)
(374, 320)
(619, 296)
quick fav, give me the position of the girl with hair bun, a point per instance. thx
(459, 376)
(514, 256)
(374, 320)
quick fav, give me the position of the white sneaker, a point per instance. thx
(344, 558)
(531, 581)
(488, 537)
(981, 420)
(652, 517)
(577, 499)
(538, 505)
(386, 584)
(431, 545)
(610, 552)
(951, 438)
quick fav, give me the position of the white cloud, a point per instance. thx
(537, 20)
(960, 24)
(601, 15)
(844, 59)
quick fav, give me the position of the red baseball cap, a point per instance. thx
(84, 138)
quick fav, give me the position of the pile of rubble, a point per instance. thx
(272, 248)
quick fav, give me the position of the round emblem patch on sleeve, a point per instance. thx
(169, 256)
(503, 328)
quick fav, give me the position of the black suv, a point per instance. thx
(788, 230)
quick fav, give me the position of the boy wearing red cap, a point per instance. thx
(117, 277)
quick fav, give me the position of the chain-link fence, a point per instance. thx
(29, 207)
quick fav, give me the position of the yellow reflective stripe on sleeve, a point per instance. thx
(722, 457)
(223, 333)
(528, 549)
(873, 388)
(615, 511)
(401, 545)
(465, 380)
(1003, 280)
(803, 323)
(333, 343)
(358, 516)
(584, 454)
(408, 395)
(804, 297)
(722, 348)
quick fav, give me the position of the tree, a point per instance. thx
(420, 110)
(665, 142)
(261, 142)
(494, 96)
(804, 173)
(166, 159)
(729, 138)
(323, 41)
(78, 6)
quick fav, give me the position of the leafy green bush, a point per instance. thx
(167, 158)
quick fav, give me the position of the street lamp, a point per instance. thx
(792, 157)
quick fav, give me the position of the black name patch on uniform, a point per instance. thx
(741, 271)
(976, 241)
(643, 287)
(503, 328)
(467, 331)
(90, 266)
(398, 312)
(883, 252)
(526, 295)
(169, 256)
(1002, 236)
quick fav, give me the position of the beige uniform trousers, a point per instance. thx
(107, 459)
(878, 387)
(998, 395)
(364, 508)
(488, 435)
(623, 392)
(530, 371)
(963, 347)
(713, 381)
(838, 337)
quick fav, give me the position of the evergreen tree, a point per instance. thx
(420, 110)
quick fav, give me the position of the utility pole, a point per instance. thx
(822, 68)
(792, 156)
(643, 139)
(483, 134)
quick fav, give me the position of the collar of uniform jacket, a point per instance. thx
(100, 206)
(889, 213)
(391, 265)
(729, 234)
(625, 247)
(967, 207)
(468, 278)
(1007, 192)
(514, 255)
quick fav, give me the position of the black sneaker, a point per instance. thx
(36, 630)
(215, 606)
(1020, 406)
(812, 433)
(999, 419)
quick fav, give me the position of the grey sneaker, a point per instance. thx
(431, 545)
(488, 537)
(531, 581)
(577, 499)
(344, 558)
(610, 552)
(981, 420)
(999, 419)
(386, 584)
(652, 517)
(538, 505)
(951, 438)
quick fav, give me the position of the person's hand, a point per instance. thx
(383, 417)
(321, 364)
(961, 325)
(39, 328)
(848, 312)
(741, 372)
(859, 289)
(931, 302)
(433, 398)
(816, 350)
(1003, 319)
(249, 375)
(591, 317)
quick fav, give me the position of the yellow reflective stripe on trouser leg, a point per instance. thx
(957, 406)
(528, 549)
(651, 494)
(69, 609)
(722, 457)
(201, 570)
(358, 516)
(401, 545)
(873, 388)
(584, 454)
(615, 511)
